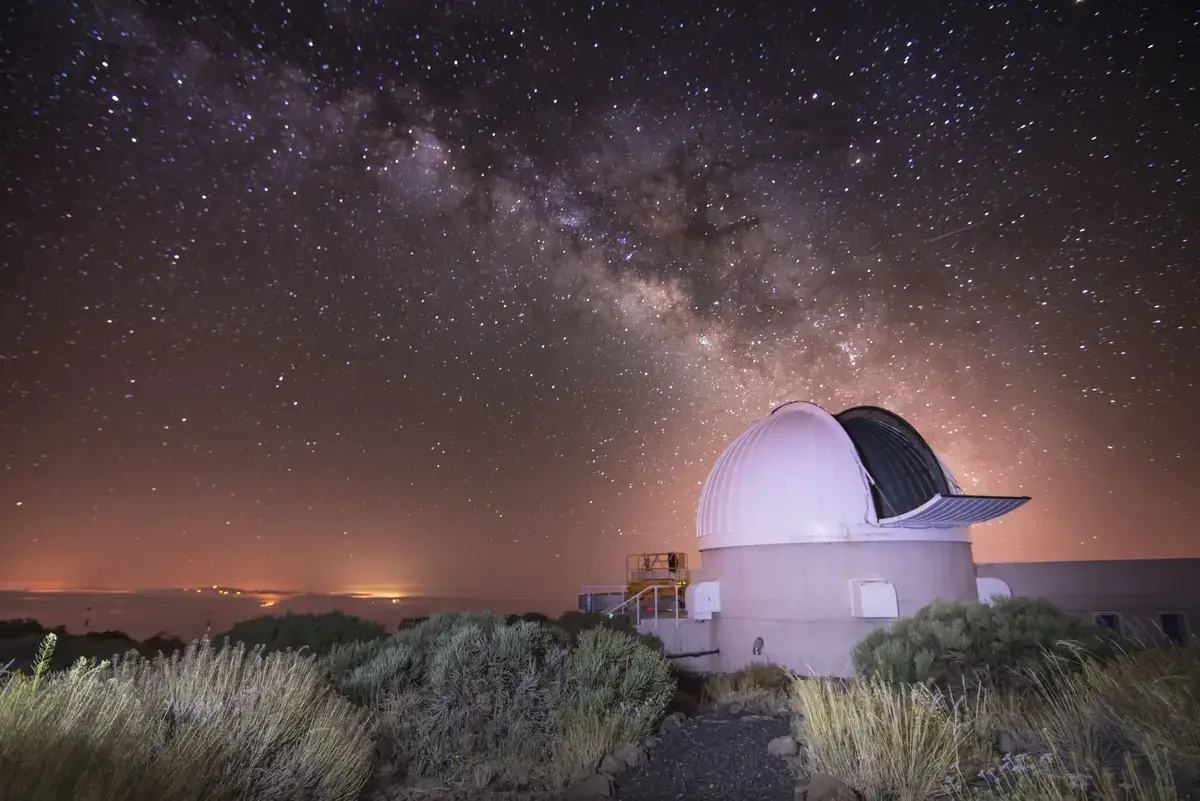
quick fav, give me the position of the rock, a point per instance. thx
(650, 743)
(823, 787)
(783, 746)
(590, 787)
(631, 755)
(610, 765)
(795, 765)
(669, 724)
(426, 784)
(735, 708)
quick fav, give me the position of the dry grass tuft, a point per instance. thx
(765, 686)
(1121, 729)
(208, 724)
(882, 742)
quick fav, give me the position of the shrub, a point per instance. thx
(1153, 697)
(882, 742)
(486, 709)
(319, 633)
(575, 623)
(206, 724)
(373, 671)
(613, 672)
(475, 701)
(1141, 705)
(528, 617)
(764, 687)
(956, 645)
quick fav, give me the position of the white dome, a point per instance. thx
(801, 474)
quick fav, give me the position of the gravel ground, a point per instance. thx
(713, 759)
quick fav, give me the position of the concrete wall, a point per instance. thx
(798, 597)
(683, 636)
(1139, 590)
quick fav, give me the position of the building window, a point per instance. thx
(1108, 620)
(1174, 627)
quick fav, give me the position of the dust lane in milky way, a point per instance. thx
(466, 297)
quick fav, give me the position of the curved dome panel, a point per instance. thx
(791, 477)
(803, 475)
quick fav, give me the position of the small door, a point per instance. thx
(1174, 627)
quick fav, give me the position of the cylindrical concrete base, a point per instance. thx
(798, 597)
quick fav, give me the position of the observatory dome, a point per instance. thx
(802, 475)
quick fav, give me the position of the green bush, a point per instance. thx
(319, 633)
(611, 671)
(486, 708)
(370, 672)
(955, 645)
(203, 725)
(474, 701)
(576, 623)
(528, 617)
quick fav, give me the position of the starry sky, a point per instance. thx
(466, 296)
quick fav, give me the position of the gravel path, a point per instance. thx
(713, 759)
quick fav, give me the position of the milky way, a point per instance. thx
(468, 296)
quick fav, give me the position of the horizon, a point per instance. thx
(382, 594)
(142, 614)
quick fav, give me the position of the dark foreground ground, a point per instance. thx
(710, 758)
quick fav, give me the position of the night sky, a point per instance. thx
(466, 297)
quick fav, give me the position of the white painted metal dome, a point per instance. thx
(802, 475)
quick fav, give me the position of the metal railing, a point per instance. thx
(604, 594)
(654, 592)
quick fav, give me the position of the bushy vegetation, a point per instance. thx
(461, 697)
(206, 724)
(476, 702)
(317, 632)
(760, 688)
(1076, 727)
(883, 742)
(956, 646)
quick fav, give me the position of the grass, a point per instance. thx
(759, 687)
(1118, 730)
(478, 703)
(463, 698)
(208, 724)
(883, 742)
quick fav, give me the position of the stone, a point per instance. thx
(783, 746)
(823, 787)
(427, 784)
(594, 786)
(631, 755)
(610, 765)
(735, 708)
(669, 724)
